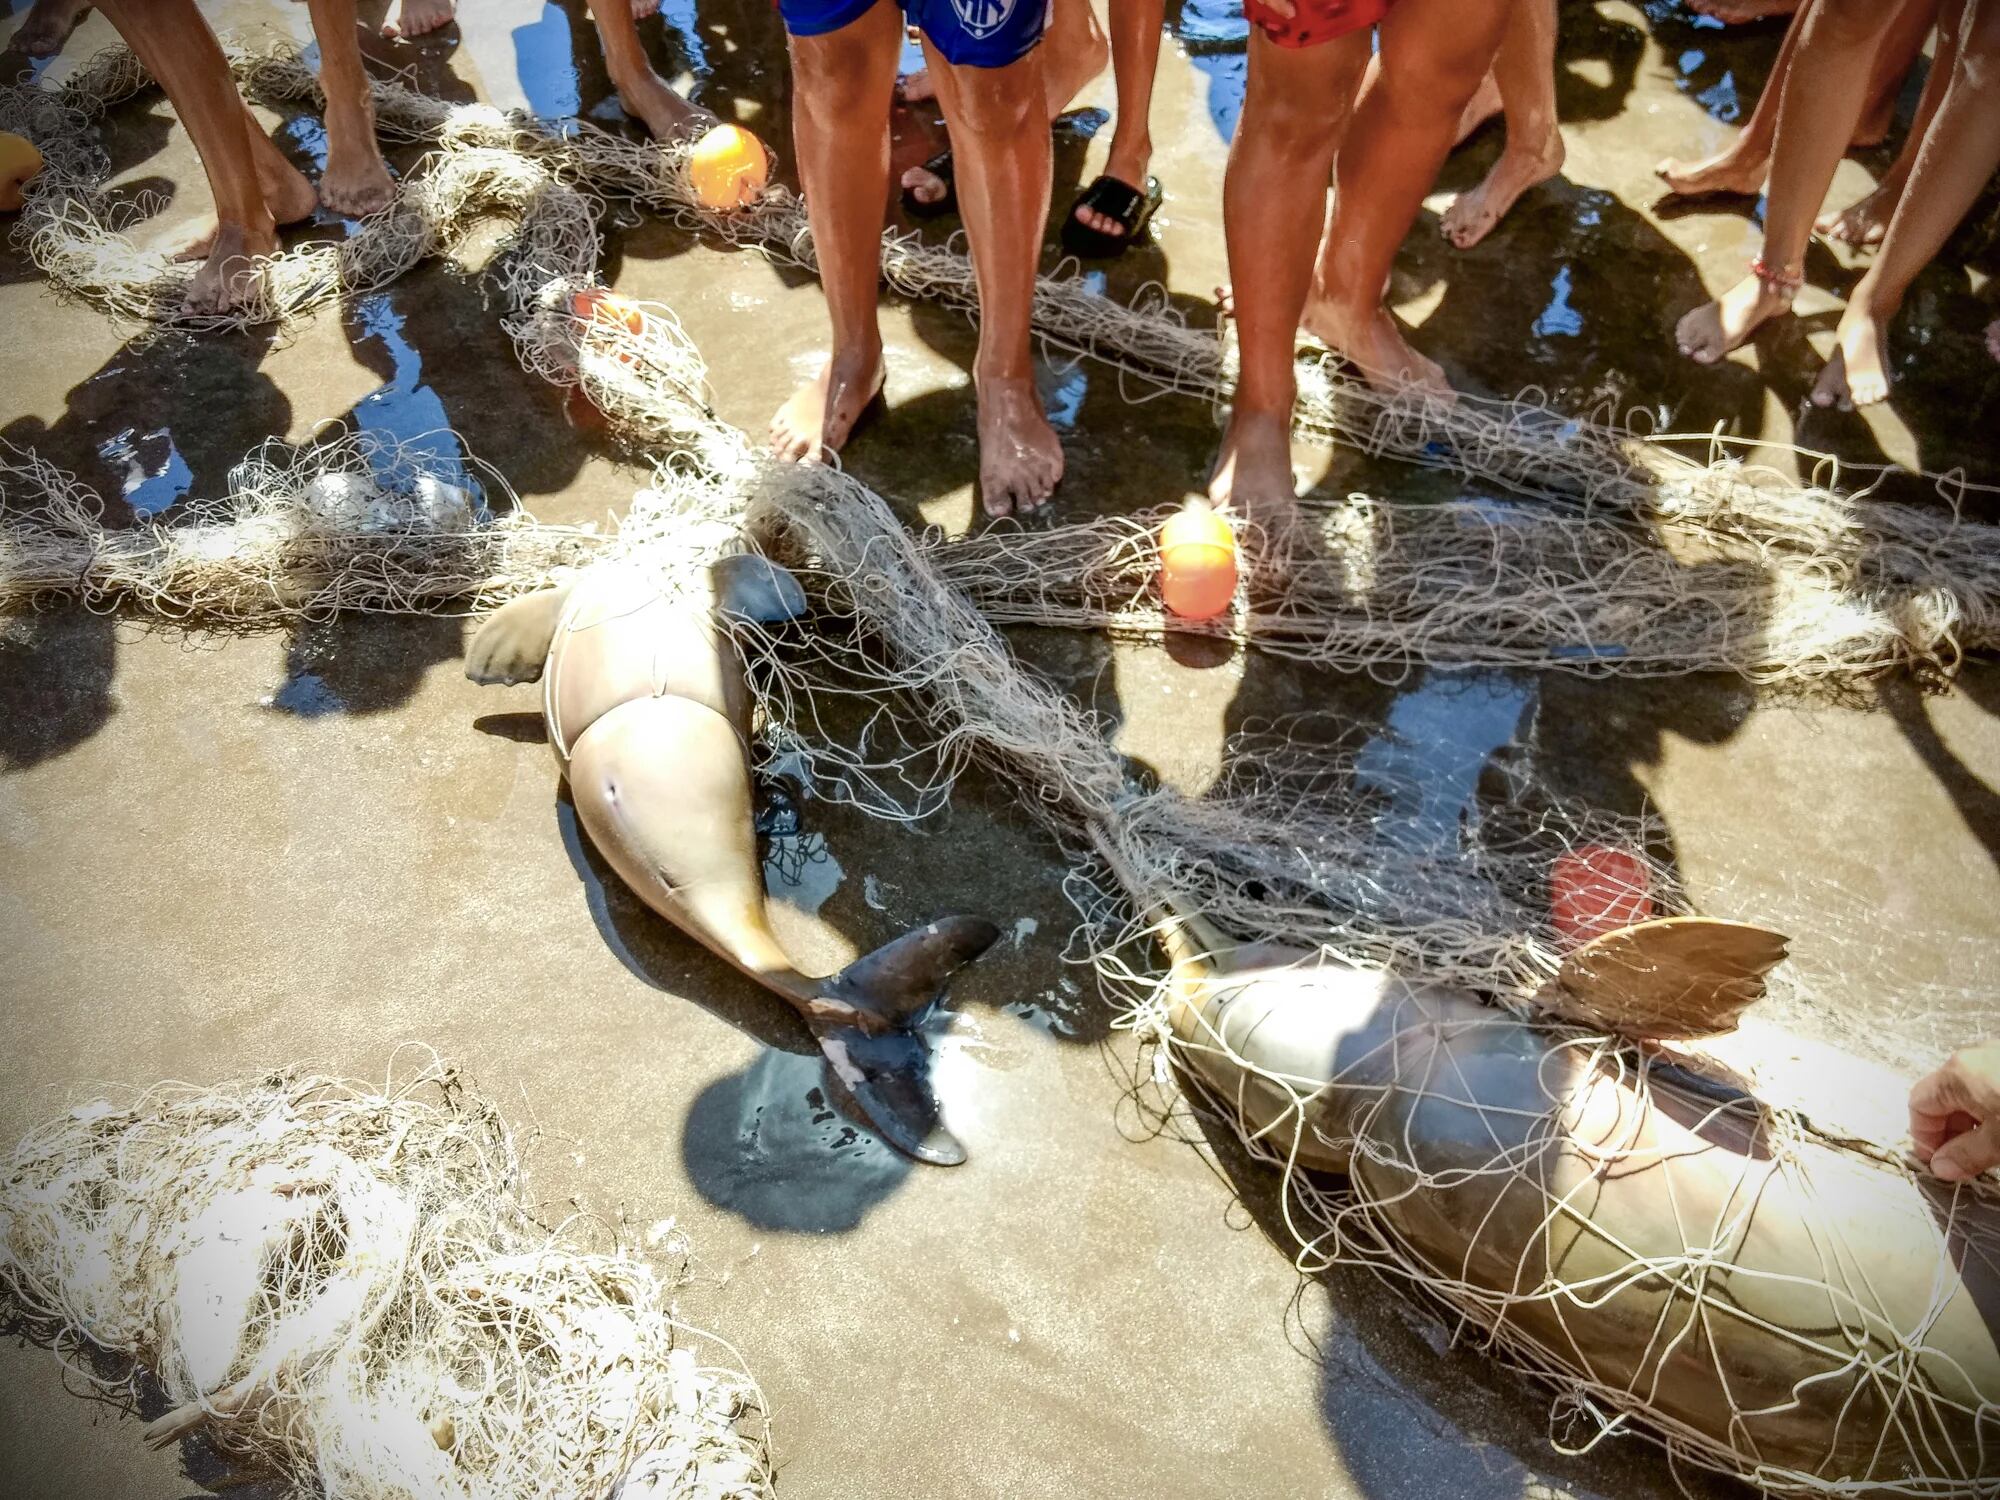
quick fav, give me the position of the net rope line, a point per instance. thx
(1520, 444)
(1260, 858)
(344, 1286)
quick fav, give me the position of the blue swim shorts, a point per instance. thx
(970, 33)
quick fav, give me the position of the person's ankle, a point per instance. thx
(1133, 154)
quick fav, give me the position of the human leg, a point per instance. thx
(1433, 54)
(1955, 161)
(643, 93)
(1820, 101)
(1295, 112)
(999, 127)
(356, 180)
(842, 80)
(1525, 74)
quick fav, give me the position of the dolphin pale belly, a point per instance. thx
(649, 716)
(1828, 1321)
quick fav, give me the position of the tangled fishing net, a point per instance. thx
(1295, 847)
(343, 1288)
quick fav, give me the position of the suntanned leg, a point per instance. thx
(1821, 99)
(48, 26)
(1295, 112)
(1742, 165)
(420, 17)
(842, 83)
(174, 44)
(287, 193)
(356, 180)
(1074, 51)
(1434, 52)
(1525, 71)
(1136, 29)
(999, 126)
(1866, 220)
(1958, 156)
(643, 93)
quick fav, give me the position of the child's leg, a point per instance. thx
(842, 82)
(356, 180)
(998, 116)
(1900, 48)
(1959, 154)
(1742, 165)
(643, 93)
(1822, 97)
(174, 44)
(1525, 70)
(1136, 29)
(1434, 52)
(1866, 220)
(1295, 112)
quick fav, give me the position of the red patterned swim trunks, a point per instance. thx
(1317, 20)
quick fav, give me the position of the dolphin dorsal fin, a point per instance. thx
(750, 587)
(1667, 978)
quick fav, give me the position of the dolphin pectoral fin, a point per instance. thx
(1668, 978)
(901, 977)
(513, 644)
(887, 1080)
(751, 587)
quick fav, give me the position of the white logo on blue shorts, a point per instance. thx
(981, 18)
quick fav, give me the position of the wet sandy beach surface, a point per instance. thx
(224, 855)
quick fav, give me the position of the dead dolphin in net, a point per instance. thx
(649, 713)
(1765, 1298)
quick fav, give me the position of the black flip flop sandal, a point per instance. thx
(939, 166)
(1117, 200)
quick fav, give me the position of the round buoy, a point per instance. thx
(1197, 562)
(727, 168)
(1597, 889)
(596, 305)
(19, 162)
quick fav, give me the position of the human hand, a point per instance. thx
(1955, 1115)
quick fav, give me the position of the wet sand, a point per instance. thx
(224, 855)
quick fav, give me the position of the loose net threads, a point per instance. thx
(1520, 444)
(1778, 593)
(344, 1288)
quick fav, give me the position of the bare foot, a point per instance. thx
(420, 18)
(228, 278)
(664, 113)
(1714, 328)
(1737, 12)
(1858, 374)
(1480, 108)
(1864, 221)
(916, 87)
(1020, 460)
(1253, 476)
(1470, 217)
(356, 188)
(820, 415)
(288, 197)
(48, 26)
(1372, 341)
(1725, 172)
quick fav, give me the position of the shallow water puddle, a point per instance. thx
(404, 408)
(154, 475)
(1433, 747)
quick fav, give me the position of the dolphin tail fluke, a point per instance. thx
(885, 1075)
(900, 978)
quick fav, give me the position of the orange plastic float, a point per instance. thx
(1197, 562)
(596, 305)
(19, 162)
(727, 168)
(1598, 889)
